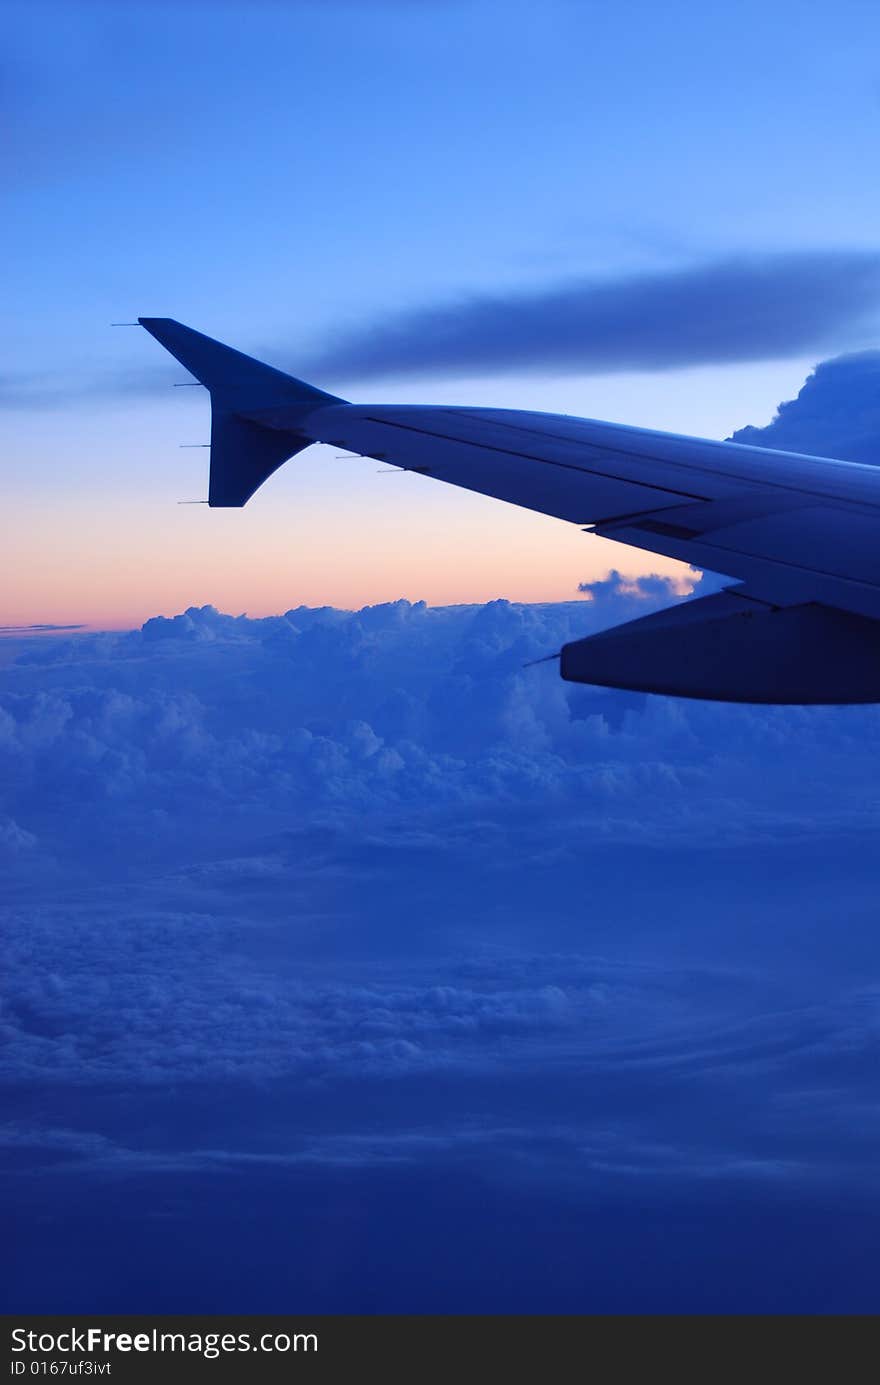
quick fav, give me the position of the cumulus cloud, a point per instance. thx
(392, 708)
(181, 798)
(836, 413)
(743, 309)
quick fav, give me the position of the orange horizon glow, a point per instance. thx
(110, 563)
(99, 539)
(119, 590)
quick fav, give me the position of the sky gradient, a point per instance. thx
(335, 186)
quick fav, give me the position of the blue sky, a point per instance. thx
(454, 986)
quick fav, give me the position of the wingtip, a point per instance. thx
(157, 322)
(546, 659)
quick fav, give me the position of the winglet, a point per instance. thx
(231, 373)
(245, 448)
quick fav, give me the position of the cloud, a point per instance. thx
(576, 1152)
(836, 413)
(14, 839)
(36, 629)
(391, 728)
(391, 708)
(653, 589)
(181, 804)
(744, 309)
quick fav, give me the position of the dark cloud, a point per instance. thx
(736, 310)
(749, 308)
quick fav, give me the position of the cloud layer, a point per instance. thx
(182, 801)
(743, 309)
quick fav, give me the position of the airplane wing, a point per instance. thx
(797, 535)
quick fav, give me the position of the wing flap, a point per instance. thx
(804, 553)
